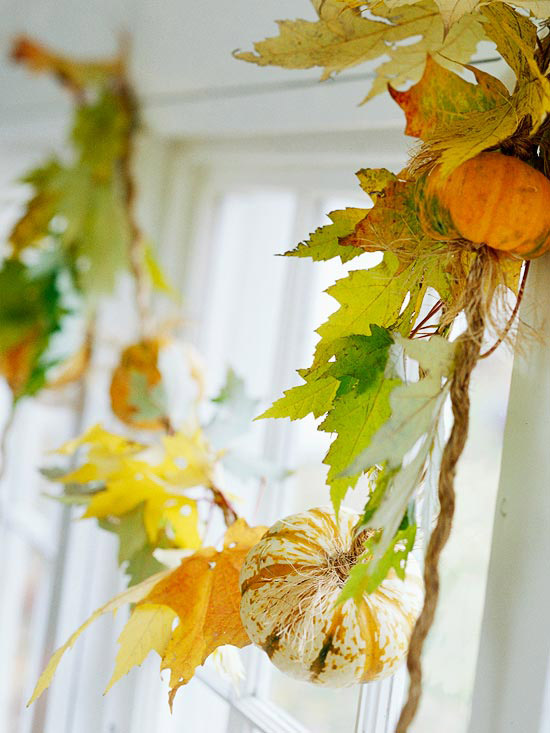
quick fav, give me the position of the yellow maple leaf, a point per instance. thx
(148, 628)
(204, 592)
(135, 484)
(132, 595)
(342, 38)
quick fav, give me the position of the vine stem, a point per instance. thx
(4, 435)
(221, 501)
(466, 357)
(136, 250)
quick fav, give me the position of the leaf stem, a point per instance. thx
(435, 309)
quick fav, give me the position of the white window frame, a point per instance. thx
(180, 184)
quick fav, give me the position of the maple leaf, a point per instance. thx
(76, 74)
(324, 243)
(234, 410)
(149, 628)
(82, 204)
(32, 311)
(315, 396)
(343, 38)
(205, 594)
(137, 393)
(458, 119)
(402, 445)
(131, 595)
(122, 475)
(360, 408)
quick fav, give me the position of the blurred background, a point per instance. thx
(236, 165)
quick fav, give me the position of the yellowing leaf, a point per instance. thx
(457, 119)
(205, 593)
(443, 99)
(158, 276)
(136, 387)
(76, 75)
(148, 628)
(324, 243)
(101, 444)
(316, 397)
(343, 38)
(132, 595)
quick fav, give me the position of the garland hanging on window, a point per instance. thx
(456, 229)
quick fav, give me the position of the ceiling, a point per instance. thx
(181, 64)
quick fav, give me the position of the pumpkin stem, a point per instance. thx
(436, 308)
(467, 355)
(512, 318)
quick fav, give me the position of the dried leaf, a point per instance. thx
(343, 38)
(77, 75)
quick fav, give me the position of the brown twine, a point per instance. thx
(467, 355)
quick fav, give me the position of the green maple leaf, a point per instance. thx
(363, 578)
(32, 312)
(235, 409)
(413, 405)
(135, 552)
(83, 204)
(324, 243)
(361, 404)
(148, 401)
(315, 396)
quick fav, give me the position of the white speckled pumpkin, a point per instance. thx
(290, 582)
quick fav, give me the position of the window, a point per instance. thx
(225, 211)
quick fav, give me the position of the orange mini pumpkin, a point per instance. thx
(492, 199)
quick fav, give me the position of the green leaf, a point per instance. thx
(361, 358)
(324, 243)
(315, 396)
(149, 402)
(355, 417)
(32, 309)
(361, 408)
(142, 565)
(100, 133)
(235, 410)
(378, 295)
(414, 406)
(134, 550)
(157, 275)
(365, 579)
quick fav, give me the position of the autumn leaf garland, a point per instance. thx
(385, 419)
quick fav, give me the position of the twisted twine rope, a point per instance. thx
(466, 357)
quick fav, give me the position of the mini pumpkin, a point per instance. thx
(491, 199)
(290, 582)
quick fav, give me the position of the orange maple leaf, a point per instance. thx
(204, 592)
